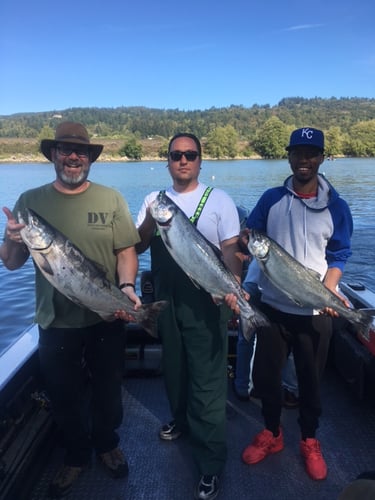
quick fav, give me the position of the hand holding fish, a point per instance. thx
(231, 301)
(81, 280)
(302, 285)
(331, 281)
(127, 316)
(201, 262)
(13, 252)
(13, 228)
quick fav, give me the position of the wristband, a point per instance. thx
(124, 285)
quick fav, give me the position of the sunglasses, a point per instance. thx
(82, 152)
(189, 155)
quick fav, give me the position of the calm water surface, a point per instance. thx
(244, 180)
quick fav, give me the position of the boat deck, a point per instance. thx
(164, 470)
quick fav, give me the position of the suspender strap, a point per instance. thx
(194, 218)
(201, 204)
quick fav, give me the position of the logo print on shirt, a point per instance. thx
(97, 218)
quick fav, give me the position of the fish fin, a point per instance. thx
(21, 218)
(148, 321)
(251, 323)
(45, 266)
(195, 283)
(367, 319)
(368, 311)
(105, 317)
(218, 299)
(248, 328)
(314, 273)
(297, 302)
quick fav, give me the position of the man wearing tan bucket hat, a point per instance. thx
(97, 220)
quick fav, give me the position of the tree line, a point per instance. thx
(230, 132)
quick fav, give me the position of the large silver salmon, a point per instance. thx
(79, 278)
(198, 258)
(300, 284)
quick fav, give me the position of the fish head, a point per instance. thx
(259, 244)
(36, 234)
(162, 209)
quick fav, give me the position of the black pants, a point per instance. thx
(308, 337)
(82, 370)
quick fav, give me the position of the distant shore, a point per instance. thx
(42, 159)
(106, 158)
(23, 150)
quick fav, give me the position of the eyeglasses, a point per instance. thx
(189, 155)
(81, 152)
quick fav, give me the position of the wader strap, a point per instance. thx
(201, 204)
(194, 218)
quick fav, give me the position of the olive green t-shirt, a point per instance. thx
(98, 222)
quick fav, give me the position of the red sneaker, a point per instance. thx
(264, 444)
(315, 464)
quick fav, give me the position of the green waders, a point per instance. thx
(194, 337)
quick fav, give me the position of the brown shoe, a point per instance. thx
(115, 463)
(64, 480)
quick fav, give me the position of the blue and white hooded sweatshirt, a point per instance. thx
(315, 231)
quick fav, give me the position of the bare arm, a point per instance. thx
(13, 252)
(146, 231)
(332, 278)
(331, 281)
(233, 258)
(127, 268)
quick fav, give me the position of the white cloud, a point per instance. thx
(303, 27)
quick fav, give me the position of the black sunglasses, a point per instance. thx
(81, 152)
(189, 155)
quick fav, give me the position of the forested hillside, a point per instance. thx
(232, 132)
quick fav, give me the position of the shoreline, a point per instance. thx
(117, 159)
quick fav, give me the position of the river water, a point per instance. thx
(244, 180)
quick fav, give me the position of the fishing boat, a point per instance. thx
(30, 452)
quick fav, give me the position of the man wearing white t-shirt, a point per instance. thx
(193, 329)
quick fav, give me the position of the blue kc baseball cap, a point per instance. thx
(306, 137)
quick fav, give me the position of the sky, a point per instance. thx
(188, 55)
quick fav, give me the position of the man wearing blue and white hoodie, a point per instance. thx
(307, 217)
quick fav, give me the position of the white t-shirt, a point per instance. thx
(219, 219)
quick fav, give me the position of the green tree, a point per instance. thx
(363, 138)
(163, 150)
(334, 141)
(46, 132)
(271, 139)
(141, 122)
(132, 149)
(222, 142)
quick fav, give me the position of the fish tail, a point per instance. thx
(251, 323)
(150, 315)
(365, 323)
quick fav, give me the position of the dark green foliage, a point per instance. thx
(271, 139)
(132, 150)
(222, 142)
(347, 122)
